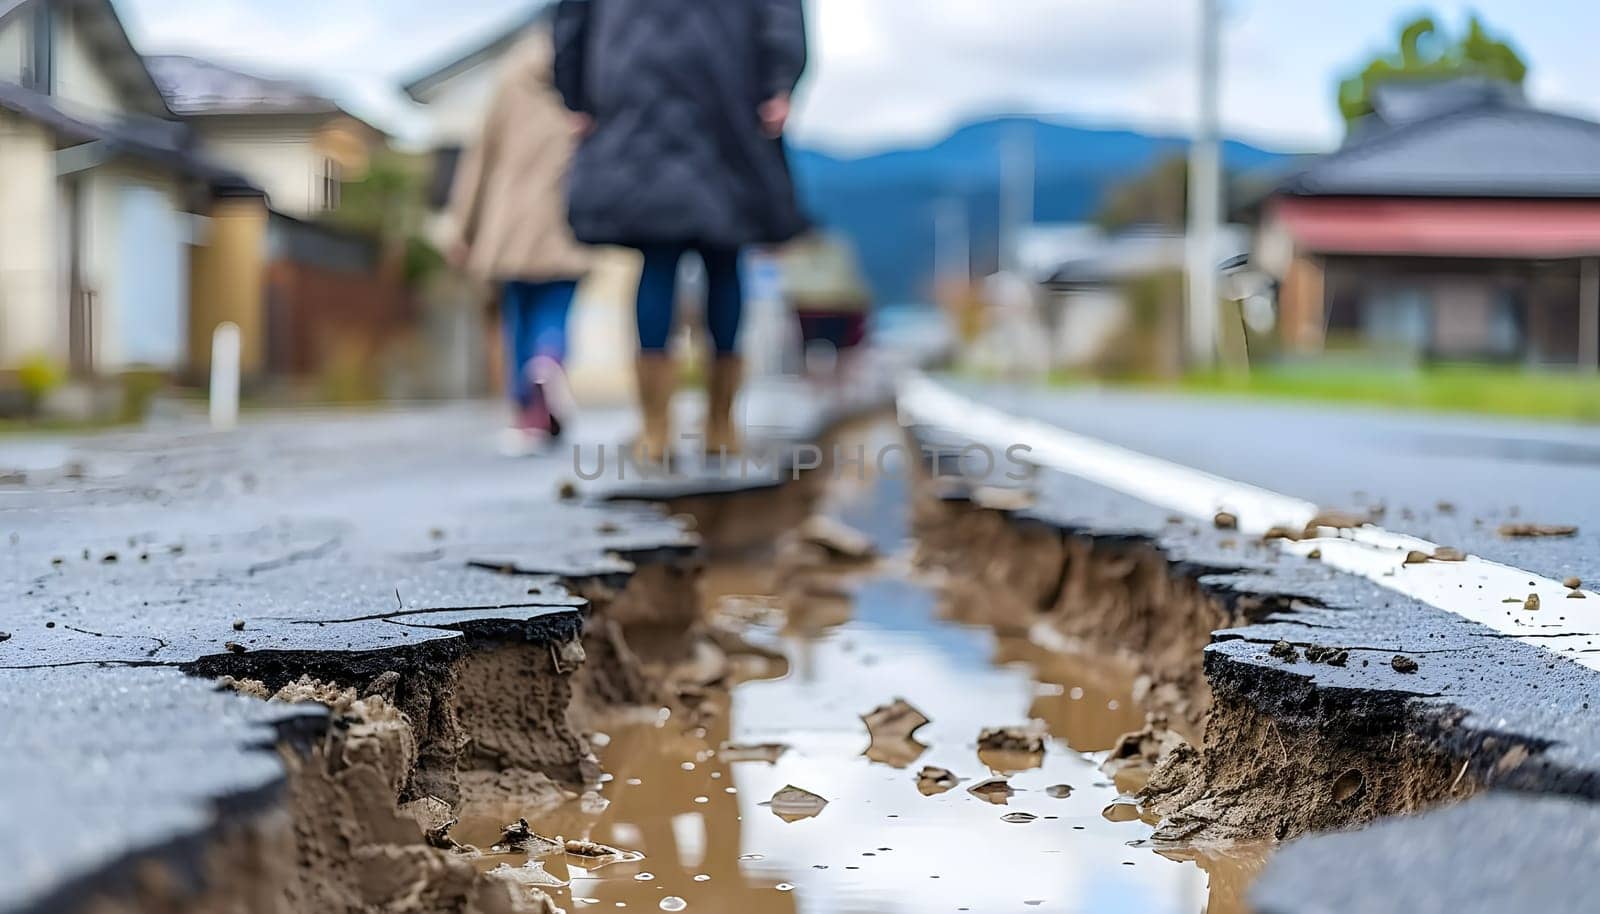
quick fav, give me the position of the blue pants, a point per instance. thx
(533, 320)
(658, 289)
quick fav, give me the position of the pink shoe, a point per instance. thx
(550, 379)
(535, 417)
(530, 434)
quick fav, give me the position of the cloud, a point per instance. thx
(896, 71)
(909, 69)
(360, 51)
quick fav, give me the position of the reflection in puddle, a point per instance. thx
(880, 844)
(894, 834)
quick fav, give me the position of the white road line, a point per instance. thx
(1489, 593)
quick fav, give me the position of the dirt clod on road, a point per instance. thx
(1527, 530)
(932, 780)
(1029, 738)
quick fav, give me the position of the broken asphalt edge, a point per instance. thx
(299, 728)
(1482, 753)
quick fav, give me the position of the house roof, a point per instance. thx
(1397, 102)
(1494, 147)
(419, 86)
(156, 142)
(196, 88)
(109, 42)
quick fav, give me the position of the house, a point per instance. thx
(312, 301)
(298, 145)
(1108, 294)
(104, 200)
(1457, 222)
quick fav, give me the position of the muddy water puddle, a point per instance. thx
(880, 844)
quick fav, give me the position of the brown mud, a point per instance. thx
(406, 749)
(1264, 777)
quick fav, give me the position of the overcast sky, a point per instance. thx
(895, 71)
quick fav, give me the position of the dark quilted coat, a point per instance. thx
(674, 86)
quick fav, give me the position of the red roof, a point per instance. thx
(1441, 227)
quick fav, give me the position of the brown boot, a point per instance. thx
(657, 376)
(727, 371)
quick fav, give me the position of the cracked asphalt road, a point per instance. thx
(1449, 480)
(129, 558)
(1490, 470)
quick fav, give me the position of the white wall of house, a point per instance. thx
(284, 161)
(98, 261)
(145, 322)
(30, 321)
(132, 247)
(13, 49)
(81, 84)
(135, 259)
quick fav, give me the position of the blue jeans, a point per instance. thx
(658, 290)
(533, 320)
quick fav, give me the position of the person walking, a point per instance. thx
(508, 210)
(682, 104)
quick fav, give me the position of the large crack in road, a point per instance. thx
(475, 649)
(1379, 683)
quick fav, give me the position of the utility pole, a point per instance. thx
(1205, 197)
(1589, 315)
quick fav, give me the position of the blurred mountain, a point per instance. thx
(885, 202)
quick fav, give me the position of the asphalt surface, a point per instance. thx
(1498, 687)
(1492, 854)
(1506, 685)
(99, 768)
(128, 558)
(1487, 471)
(131, 558)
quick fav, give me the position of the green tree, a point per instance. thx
(389, 203)
(1426, 52)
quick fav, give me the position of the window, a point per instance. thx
(331, 179)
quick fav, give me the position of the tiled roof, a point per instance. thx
(1492, 149)
(196, 87)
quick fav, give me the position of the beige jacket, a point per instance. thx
(508, 202)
